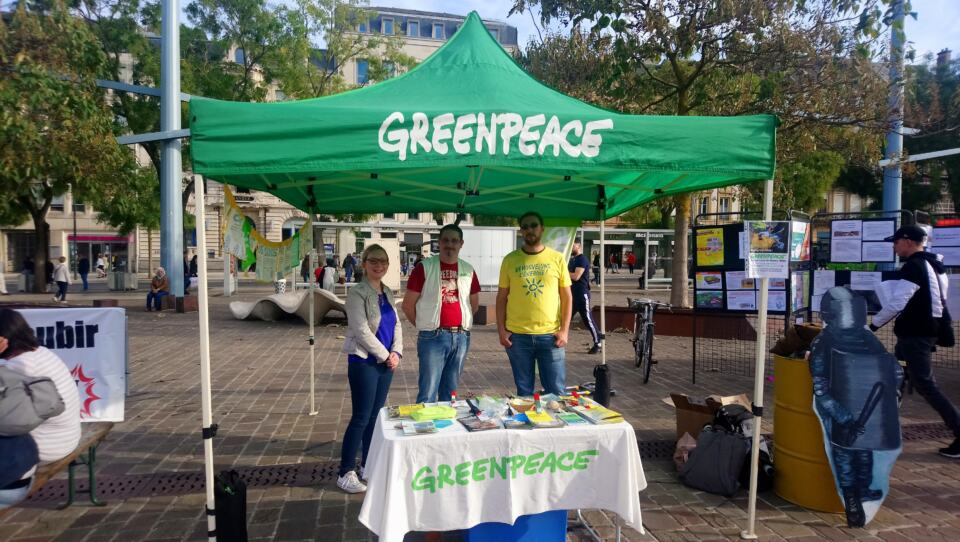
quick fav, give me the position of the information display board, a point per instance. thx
(861, 240)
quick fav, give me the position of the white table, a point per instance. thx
(455, 479)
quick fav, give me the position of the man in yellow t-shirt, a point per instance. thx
(534, 306)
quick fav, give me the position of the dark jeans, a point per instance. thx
(61, 290)
(525, 351)
(86, 285)
(155, 297)
(369, 384)
(916, 352)
(441, 355)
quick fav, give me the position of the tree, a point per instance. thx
(56, 131)
(715, 57)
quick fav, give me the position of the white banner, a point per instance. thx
(93, 344)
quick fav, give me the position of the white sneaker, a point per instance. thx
(363, 474)
(350, 483)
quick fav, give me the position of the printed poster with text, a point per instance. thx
(768, 256)
(709, 247)
(800, 241)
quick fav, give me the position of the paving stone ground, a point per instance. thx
(260, 400)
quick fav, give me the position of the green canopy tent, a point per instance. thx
(469, 131)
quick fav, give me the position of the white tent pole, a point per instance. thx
(603, 294)
(209, 429)
(750, 533)
(313, 399)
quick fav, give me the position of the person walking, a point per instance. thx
(374, 346)
(349, 263)
(61, 276)
(596, 268)
(101, 266)
(159, 287)
(918, 303)
(48, 269)
(533, 310)
(631, 261)
(83, 268)
(579, 271)
(28, 273)
(443, 293)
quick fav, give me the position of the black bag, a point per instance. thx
(230, 500)
(945, 336)
(715, 464)
(731, 418)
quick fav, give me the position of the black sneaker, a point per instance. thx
(594, 350)
(952, 451)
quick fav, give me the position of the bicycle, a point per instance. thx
(643, 333)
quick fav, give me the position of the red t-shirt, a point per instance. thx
(449, 296)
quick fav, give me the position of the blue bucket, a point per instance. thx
(544, 527)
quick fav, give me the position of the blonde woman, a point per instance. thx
(61, 275)
(374, 346)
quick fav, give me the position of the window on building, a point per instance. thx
(389, 216)
(238, 56)
(79, 206)
(496, 33)
(414, 216)
(362, 27)
(386, 26)
(413, 29)
(438, 31)
(704, 206)
(363, 68)
(838, 202)
(388, 235)
(855, 202)
(723, 205)
(57, 203)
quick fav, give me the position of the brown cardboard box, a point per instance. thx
(693, 414)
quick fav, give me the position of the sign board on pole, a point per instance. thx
(93, 344)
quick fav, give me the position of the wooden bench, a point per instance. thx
(92, 434)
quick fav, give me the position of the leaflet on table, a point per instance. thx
(478, 423)
(742, 300)
(707, 280)
(945, 237)
(877, 252)
(877, 230)
(823, 281)
(768, 256)
(845, 237)
(951, 255)
(737, 280)
(865, 280)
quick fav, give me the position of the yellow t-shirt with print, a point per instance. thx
(534, 280)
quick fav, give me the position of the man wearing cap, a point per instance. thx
(443, 293)
(918, 303)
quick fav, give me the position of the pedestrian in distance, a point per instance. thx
(61, 276)
(159, 288)
(83, 269)
(443, 293)
(101, 266)
(919, 304)
(596, 268)
(579, 271)
(533, 310)
(28, 274)
(374, 346)
(349, 264)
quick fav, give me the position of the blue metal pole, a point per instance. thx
(171, 176)
(892, 173)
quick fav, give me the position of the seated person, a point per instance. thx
(58, 436)
(159, 287)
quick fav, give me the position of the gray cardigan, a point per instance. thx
(363, 319)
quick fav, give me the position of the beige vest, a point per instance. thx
(428, 305)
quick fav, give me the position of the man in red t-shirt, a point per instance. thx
(443, 293)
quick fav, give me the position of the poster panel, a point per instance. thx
(799, 241)
(877, 251)
(768, 256)
(845, 239)
(93, 344)
(707, 280)
(877, 230)
(709, 299)
(738, 280)
(709, 247)
(800, 293)
(742, 300)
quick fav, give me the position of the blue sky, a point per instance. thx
(937, 25)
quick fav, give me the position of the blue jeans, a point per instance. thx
(61, 290)
(542, 350)
(916, 351)
(441, 356)
(369, 384)
(155, 297)
(348, 271)
(10, 497)
(86, 285)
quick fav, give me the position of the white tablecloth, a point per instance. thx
(455, 479)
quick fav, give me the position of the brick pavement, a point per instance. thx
(260, 401)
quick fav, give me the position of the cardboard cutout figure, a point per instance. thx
(855, 386)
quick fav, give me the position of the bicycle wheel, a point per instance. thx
(638, 345)
(647, 355)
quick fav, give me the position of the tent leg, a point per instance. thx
(313, 397)
(209, 428)
(601, 373)
(750, 532)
